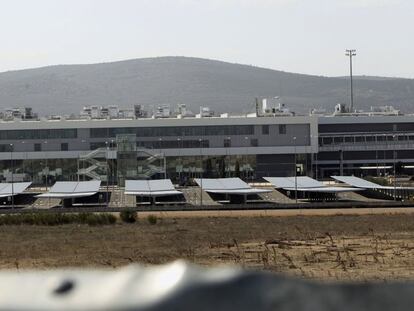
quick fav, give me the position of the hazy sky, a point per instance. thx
(306, 36)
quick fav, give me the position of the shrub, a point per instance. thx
(54, 219)
(111, 219)
(129, 216)
(152, 219)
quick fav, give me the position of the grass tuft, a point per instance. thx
(152, 219)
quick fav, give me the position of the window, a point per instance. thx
(6, 148)
(171, 144)
(327, 140)
(282, 129)
(265, 129)
(227, 143)
(64, 146)
(37, 147)
(205, 143)
(179, 131)
(381, 138)
(349, 139)
(97, 145)
(254, 142)
(38, 134)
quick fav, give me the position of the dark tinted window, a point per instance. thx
(254, 142)
(179, 131)
(64, 146)
(38, 134)
(355, 127)
(6, 148)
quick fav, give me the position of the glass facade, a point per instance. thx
(182, 169)
(127, 144)
(39, 171)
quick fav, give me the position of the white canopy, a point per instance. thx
(306, 184)
(365, 184)
(289, 182)
(12, 189)
(228, 186)
(150, 188)
(72, 189)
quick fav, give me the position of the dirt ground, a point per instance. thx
(332, 246)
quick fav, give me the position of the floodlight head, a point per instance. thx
(350, 52)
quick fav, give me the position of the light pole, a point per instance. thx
(83, 141)
(227, 167)
(12, 174)
(385, 154)
(78, 167)
(163, 158)
(201, 172)
(47, 173)
(394, 160)
(341, 162)
(350, 54)
(24, 160)
(111, 147)
(79, 159)
(315, 155)
(46, 167)
(296, 174)
(246, 159)
(107, 174)
(179, 145)
(312, 157)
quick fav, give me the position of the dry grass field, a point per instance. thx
(327, 247)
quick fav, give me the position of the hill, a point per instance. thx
(196, 82)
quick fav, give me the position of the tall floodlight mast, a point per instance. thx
(350, 54)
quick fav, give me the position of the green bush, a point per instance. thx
(54, 219)
(129, 216)
(152, 219)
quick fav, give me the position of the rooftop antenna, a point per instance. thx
(350, 54)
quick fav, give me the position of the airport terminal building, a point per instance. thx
(44, 150)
